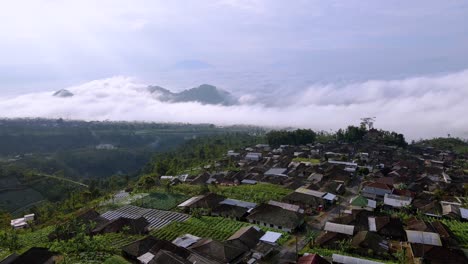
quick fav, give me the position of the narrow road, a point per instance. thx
(63, 179)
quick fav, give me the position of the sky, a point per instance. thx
(280, 57)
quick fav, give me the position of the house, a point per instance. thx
(310, 199)
(253, 156)
(276, 217)
(312, 259)
(208, 201)
(221, 252)
(145, 249)
(231, 208)
(351, 260)
(450, 210)
(185, 240)
(339, 228)
(386, 226)
(22, 222)
(137, 226)
(165, 257)
(248, 236)
(276, 172)
(464, 213)
(365, 240)
(361, 202)
(437, 254)
(375, 190)
(425, 238)
(397, 201)
(270, 237)
(33, 255)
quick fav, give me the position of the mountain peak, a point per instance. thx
(205, 94)
(63, 93)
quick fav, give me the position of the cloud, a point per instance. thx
(419, 107)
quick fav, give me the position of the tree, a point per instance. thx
(400, 255)
(197, 212)
(311, 236)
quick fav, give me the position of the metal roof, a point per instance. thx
(246, 181)
(372, 225)
(371, 203)
(329, 197)
(464, 213)
(352, 260)
(190, 201)
(343, 163)
(397, 200)
(146, 258)
(310, 192)
(427, 238)
(339, 228)
(239, 203)
(270, 237)
(276, 171)
(186, 240)
(156, 218)
(286, 206)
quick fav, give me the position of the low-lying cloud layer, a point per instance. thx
(419, 107)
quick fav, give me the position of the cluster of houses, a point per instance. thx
(247, 245)
(354, 197)
(359, 190)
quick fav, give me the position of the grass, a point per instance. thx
(459, 229)
(211, 227)
(329, 252)
(15, 199)
(312, 161)
(116, 260)
(160, 200)
(257, 193)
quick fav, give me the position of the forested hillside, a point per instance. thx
(36, 154)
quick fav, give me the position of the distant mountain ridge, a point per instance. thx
(205, 94)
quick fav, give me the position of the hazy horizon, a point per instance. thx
(313, 64)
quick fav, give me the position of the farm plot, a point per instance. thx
(212, 227)
(161, 201)
(16, 199)
(257, 193)
(459, 229)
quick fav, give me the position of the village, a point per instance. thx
(363, 202)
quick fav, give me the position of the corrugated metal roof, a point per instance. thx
(310, 192)
(427, 238)
(339, 228)
(286, 206)
(156, 218)
(397, 200)
(352, 260)
(270, 237)
(276, 172)
(239, 203)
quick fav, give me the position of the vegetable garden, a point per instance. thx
(212, 227)
(161, 201)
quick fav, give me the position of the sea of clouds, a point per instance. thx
(419, 107)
